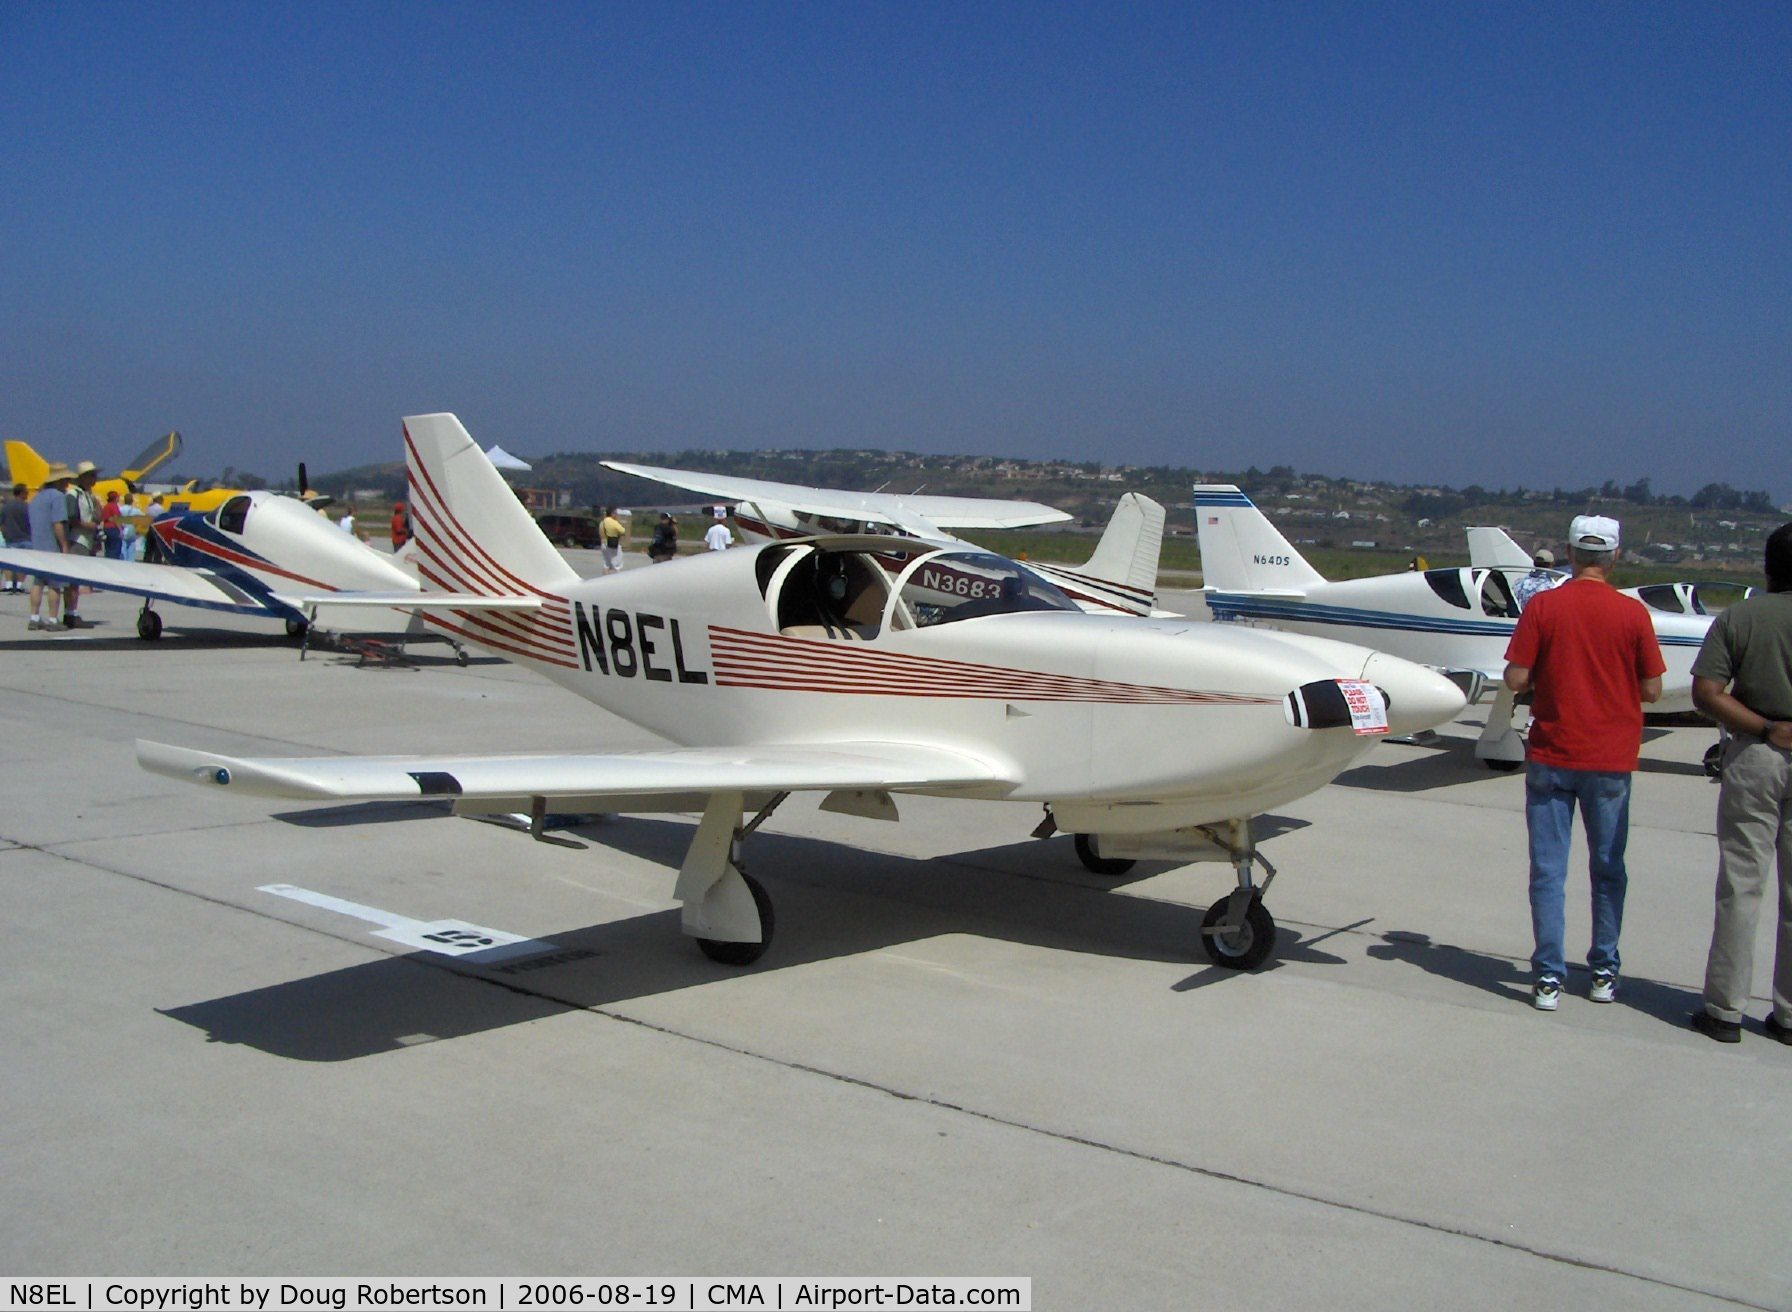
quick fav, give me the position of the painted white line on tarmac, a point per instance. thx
(451, 938)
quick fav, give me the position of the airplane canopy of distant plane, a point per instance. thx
(1458, 620)
(1121, 575)
(864, 667)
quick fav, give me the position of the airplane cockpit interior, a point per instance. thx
(851, 592)
(1489, 587)
(232, 515)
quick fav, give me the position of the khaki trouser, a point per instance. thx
(1754, 826)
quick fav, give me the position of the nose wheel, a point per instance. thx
(1238, 933)
(1243, 945)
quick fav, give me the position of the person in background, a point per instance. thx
(1542, 577)
(83, 535)
(347, 522)
(1743, 680)
(1589, 655)
(149, 546)
(665, 540)
(49, 532)
(401, 526)
(612, 533)
(718, 538)
(15, 531)
(112, 527)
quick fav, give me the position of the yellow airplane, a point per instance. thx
(26, 466)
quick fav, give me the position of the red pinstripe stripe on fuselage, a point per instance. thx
(182, 537)
(753, 660)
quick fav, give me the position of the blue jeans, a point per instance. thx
(1550, 795)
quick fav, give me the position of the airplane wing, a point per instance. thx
(898, 766)
(918, 512)
(186, 587)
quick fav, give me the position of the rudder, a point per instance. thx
(24, 465)
(1241, 551)
(472, 533)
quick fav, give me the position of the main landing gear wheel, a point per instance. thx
(149, 625)
(1714, 761)
(296, 628)
(1244, 948)
(1099, 865)
(744, 954)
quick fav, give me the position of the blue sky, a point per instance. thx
(1506, 243)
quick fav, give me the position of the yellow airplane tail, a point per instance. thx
(24, 465)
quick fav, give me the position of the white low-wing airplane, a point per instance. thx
(1121, 576)
(1493, 548)
(810, 665)
(259, 553)
(1458, 620)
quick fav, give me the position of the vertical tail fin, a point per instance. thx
(1493, 548)
(1130, 545)
(1122, 574)
(24, 465)
(1241, 551)
(472, 534)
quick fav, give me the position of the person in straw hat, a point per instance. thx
(49, 532)
(83, 533)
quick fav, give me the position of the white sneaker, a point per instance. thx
(1605, 987)
(1546, 994)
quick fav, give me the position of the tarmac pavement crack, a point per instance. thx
(1267, 1186)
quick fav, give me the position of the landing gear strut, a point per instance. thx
(1238, 932)
(726, 910)
(1500, 746)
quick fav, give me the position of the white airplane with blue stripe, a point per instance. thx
(1457, 619)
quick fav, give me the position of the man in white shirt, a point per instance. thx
(718, 538)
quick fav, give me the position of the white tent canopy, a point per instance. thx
(502, 459)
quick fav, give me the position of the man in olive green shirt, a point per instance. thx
(1743, 679)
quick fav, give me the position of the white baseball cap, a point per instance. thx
(1593, 533)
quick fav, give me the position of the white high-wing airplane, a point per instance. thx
(1458, 620)
(1121, 576)
(259, 553)
(810, 665)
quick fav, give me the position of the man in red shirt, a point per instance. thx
(1587, 654)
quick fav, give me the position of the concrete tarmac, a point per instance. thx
(963, 1055)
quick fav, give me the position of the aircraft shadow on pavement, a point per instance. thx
(1447, 761)
(124, 638)
(832, 901)
(365, 813)
(1510, 980)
